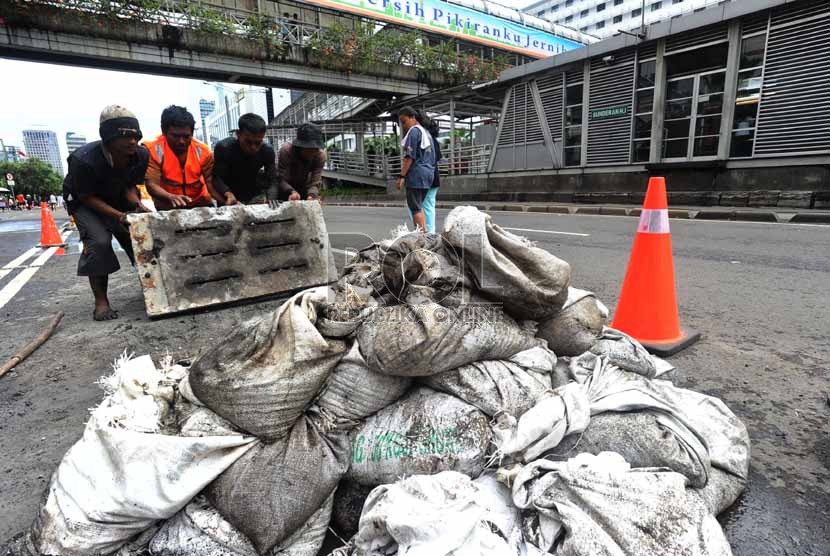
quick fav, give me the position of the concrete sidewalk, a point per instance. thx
(739, 214)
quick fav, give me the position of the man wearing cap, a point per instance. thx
(180, 173)
(99, 190)
(300, 165)
(239, 160)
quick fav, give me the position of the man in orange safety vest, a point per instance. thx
(180, 173)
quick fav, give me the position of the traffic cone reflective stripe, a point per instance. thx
(49, 234)
(654, 221)
(647, 309)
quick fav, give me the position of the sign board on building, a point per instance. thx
(608, 113)
(9, 178)
(457, 21)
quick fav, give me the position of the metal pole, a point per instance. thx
(228, 113)
(452, 136)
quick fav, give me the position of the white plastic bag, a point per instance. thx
(114, 482)
(432, 515)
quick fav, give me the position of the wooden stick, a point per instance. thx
(29, 348)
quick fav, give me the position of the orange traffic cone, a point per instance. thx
(647, 309)
(49, 235)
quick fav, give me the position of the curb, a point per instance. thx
(684, 214)
(756, 217)
(807, 218)
(715, 215)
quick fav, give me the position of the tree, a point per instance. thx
(33, 176)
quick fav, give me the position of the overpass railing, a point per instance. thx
(356, 47)
(466, 160)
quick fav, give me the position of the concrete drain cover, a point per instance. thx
(188, 259)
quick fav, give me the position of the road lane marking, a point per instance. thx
(548, 232)
(18, 261)
(16, 284)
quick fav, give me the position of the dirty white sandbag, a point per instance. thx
(195, 421)
(498, 386)
(721, 491)
(576, 328)
(541, 428)
(593, 505)
(625, 352)
(344, 310)
(696, 419)
(200, 529)
(419, 258)
(530, 282)
(642, 438)
(539, 360)
(364, 269)
(265, 372)
(423, 433)
(270, 492)
(426, 338)
(353, 392)
(428, 516)
(115, 483)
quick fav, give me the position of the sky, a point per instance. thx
(69, 98)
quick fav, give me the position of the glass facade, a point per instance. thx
(572, 137)
(748, 97)
(643, 111)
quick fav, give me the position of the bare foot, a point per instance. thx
(104, 313)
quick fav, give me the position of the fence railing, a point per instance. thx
(461, 161)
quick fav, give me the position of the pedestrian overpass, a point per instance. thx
(273, 43)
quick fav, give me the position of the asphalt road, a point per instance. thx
(758, 292)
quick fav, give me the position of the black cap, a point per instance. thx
(309, 136)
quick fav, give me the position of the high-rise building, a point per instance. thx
(604, 18)
(232, 104)
(74, 141)
(43, 144)
(11, 153)
(206, 107)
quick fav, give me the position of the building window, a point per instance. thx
(569, 19)
(676, 1)
(600, 24)
(618, 2)
(583, 13)
(555, 8)
(572, 137)
(569, 2)
(643, 112)
(656, 6)
(584, 29)
(750, 76)
(636, 13)
(617, 19)
(600, 7)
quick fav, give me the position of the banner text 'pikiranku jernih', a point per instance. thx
(449, 19)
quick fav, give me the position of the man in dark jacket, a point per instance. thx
(99, 190)
(301, 165)
(239, 161)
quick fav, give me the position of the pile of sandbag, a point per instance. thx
(450, 394)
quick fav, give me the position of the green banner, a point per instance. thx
(608, 113)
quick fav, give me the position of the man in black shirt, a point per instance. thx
(237, 163)
(99, 190)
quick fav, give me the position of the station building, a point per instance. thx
(730, 104)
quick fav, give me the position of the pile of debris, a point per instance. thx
(450, 394)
